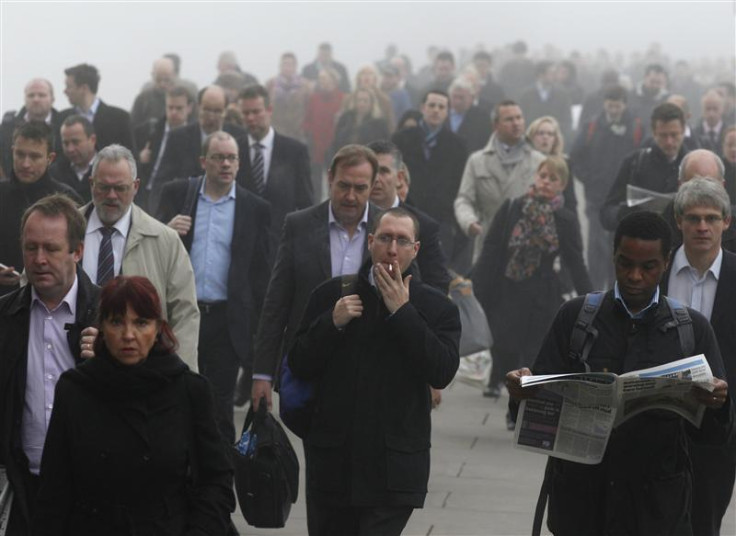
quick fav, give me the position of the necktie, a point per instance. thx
(105, 260)
(258, 182)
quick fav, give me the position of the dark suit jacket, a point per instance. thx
(250, 262)
(112, 125)
(303, 261)
(183, 150)
(475, 129)
(704, 139)
(15, 314)
(61, 170)
(557, 105)
(289, 183)
(431, 261)
(11, 121)
(149, 132)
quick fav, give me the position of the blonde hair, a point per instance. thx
(557, 166)
(558, 148)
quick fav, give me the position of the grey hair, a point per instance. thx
(686, 158)
(115, 153)
(461, 83)
(702, 192)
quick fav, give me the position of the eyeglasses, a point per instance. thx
(387, 240)
(120, 189)
(710, 219)
(220, 158)
(211, 111)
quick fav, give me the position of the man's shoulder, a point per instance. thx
(426, 222)
(310, 216)
(408, 136)
(112, 111)
(287, 143)
(13, 301)
(150, 227)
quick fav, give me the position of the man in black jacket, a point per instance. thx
(373, 352)
(470, 122)
(40, 331)
(653, 168)
(30, 181)
(225, 230)
(74, 168)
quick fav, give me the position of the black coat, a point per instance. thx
(369, 440)
(642, 486)
(475, 128)
(557, 105)
(250, 261)
(289, 183)
(303, 262)
(434, 181)
(646, 168)
(431, 261)
(519, 313)
(15, 314)
(15, 198)
(11, 121)
(121, 445)
(112, 125)
(347, 132)
(62, 171)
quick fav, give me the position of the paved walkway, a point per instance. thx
(479, 486)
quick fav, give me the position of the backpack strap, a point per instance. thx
(684, 323)
(193, 186)
(583, 333)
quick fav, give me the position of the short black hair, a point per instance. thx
(445, 55)
(36, 131)
(78, 119)
(666, 112)
(616, 93)
(436, 92)
(85, 73)
(397, 212)
(542, 67)
(654, 68)
(644, 225)
(386, 147)
(483, 55)
(253, 92)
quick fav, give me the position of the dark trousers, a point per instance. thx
(714, 471)
(330, 520)
(18, 525)
(219, 363)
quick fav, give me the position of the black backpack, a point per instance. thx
(266, 479)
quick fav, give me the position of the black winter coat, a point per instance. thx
(134, 451)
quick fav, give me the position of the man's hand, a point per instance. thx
(145, 155)
(714, 400)
(87, 342)
(8, 275)
(346, 308)
(513, 384)
(474, 229)
(394, 290)
(181, 224)
(260, 389)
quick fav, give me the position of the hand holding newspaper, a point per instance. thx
(573, 415)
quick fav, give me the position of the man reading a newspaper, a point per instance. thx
(643, 484)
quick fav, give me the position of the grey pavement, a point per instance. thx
(480, 485)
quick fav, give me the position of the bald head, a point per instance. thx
(701, 163)
(163, 73)
(39, 98)
(212, 102)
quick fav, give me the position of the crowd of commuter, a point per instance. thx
(226, 230)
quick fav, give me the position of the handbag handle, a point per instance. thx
(255, 418)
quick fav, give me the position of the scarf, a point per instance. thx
(533, 235)
(513, 156)
(430, 138)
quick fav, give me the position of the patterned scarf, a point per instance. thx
(534, 234)
(430, 138)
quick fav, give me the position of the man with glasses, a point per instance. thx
(184, 146)
(225, 229)
(122, 238)
(703, 276)
(373, 351)
(317, 244)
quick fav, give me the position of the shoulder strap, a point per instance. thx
(637, 163)
(193, 186)
(583, 333)
(684, 323)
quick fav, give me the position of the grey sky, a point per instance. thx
(122, 39)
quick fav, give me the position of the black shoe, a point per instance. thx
(242, 391)
(492, 391)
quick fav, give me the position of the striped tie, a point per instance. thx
(105, 260)
(258, 182)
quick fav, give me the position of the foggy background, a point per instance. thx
(122, 39)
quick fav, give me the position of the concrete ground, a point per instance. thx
(480, 485)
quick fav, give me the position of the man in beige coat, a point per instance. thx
(138, 245)
(503, 170)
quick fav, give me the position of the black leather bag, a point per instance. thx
(267, 478)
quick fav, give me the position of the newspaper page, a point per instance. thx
(572, 416)
(6, 500)
(647, 199)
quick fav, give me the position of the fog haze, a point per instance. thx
(122, 39)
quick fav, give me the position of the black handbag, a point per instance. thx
(267, 474)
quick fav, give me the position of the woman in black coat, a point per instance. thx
(361, 122)
(516, 276)
(132, 446)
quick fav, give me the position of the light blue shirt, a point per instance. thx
(456, 119)
(48, 357)
(347, 252)
(654, 301)
(210, 254)
(89, 114)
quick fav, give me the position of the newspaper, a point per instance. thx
(6, 500)
(647, 199)
(572, 416)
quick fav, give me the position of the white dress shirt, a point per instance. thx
(93, 238)
(267, 150)
(689, 288)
